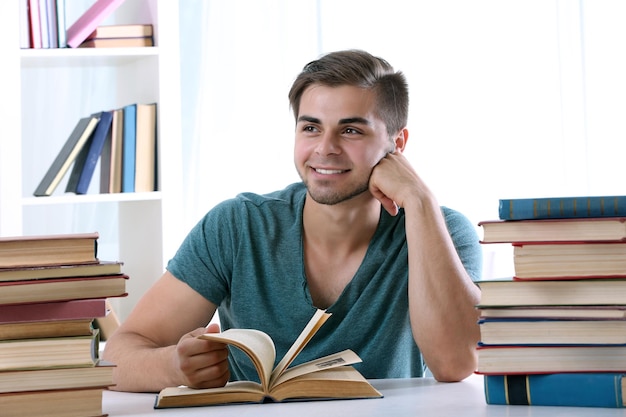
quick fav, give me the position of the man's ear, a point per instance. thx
(401, 139)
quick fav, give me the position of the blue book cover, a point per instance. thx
(560, 389)
(95, 149)
(129, 148)
(562, 207)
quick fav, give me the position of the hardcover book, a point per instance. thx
(559, 389)
(569, 260)
(549, 359)
(542, 331)
(60, 271)
(50, 311)
(117, 43)
(554, 230)
(100, 375)
(579, 292)
(122, 31)
(129, 148)
(552, 312)
(51, 352)
(562, 207)
(62, 289)
(93, 153)
(46, 250)
(48, 328)
(69, 152)
(67, 403)
(330, 377)
(145, 145)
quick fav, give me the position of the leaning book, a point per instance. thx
(330, 377)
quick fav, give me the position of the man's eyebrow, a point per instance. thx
(354, 120)
(345, 121)
(309, 119)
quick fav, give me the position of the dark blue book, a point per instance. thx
(560, 389)
(129, 148)
(562, 207)
(87, 166)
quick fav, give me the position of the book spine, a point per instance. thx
(560, 389)
(562, 207)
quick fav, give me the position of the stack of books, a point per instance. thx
(124, 140)
(53, 289)
(120, 36)
(555, 333)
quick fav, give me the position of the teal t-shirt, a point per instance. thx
(246, 256)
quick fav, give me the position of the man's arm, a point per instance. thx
(155, 347)
(442, 296)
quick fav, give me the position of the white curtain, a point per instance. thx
(508, 98)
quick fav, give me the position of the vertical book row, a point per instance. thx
(123, 141)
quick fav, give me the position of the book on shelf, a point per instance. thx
(60, 271)
(44, 250)
(578, 292)
(24, 24)
(62, 289)
(34, 24)
(51, 22)
(562, 207)
(50, 311)
(597, 389)
(66, 156)
(554, 230)
(122, 31)
(330, 377)
(87, 165)
(541, 331)
(48, 328)
(79, 163)
(111, 157)
(129, 148)
(547, 359)
(145, 147)
(67, 403)
(553, 312)
(569, 260)
(49, 352)
(89, 21)
(100, 375)
(61, 24)
(117, 43)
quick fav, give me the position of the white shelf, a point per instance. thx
(91, 198)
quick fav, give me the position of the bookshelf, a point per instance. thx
(45, 92)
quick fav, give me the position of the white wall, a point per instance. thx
(508, 98)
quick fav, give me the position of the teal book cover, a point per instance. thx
(562, 207)
(559, 389)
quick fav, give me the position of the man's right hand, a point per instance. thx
(202, 363)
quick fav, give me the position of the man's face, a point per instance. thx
(339, 140)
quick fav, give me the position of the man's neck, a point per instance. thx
(341, 226)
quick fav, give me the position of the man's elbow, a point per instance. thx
(455, 369)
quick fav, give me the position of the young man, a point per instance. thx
(361, 236)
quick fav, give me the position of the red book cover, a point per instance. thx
(64, 310)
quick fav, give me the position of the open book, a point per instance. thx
(330, 377)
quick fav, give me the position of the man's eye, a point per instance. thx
(351, 131)
(310, 129)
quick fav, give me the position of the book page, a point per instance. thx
(318, 319)
(346, 357)
(254, 343)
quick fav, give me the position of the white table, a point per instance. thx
(419, 397)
